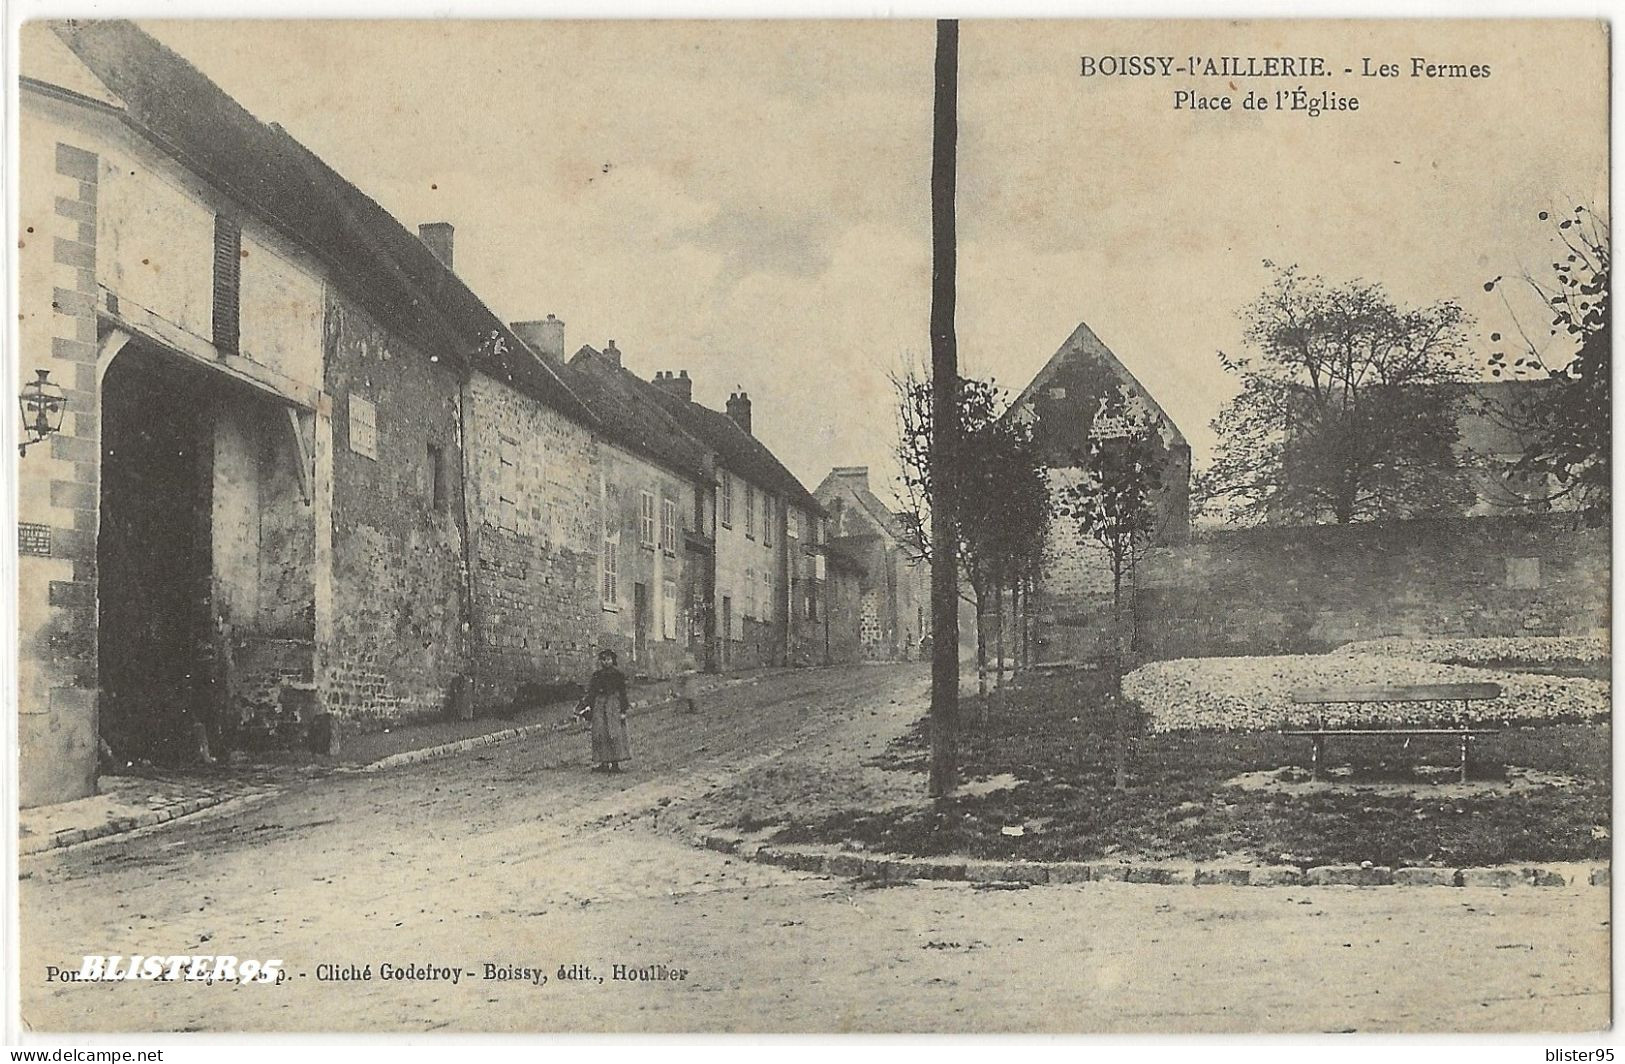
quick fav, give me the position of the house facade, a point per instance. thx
(657, 568)
(769, 535)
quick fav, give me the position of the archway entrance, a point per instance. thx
(205, 553)
(153, 554)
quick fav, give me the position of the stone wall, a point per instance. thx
(537, 577)
(397, 640)
(1280, 590)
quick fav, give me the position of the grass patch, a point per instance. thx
(1054, 736)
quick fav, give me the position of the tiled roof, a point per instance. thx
(269, 173)
(738, 450)
(631, 417)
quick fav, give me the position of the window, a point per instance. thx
(727, 500)
(612, 573)
(812, 600)
(750, 593)
(228, 277)
(668, 612)
(750, 511)
(646, 519)
(668, 526)
(507, 483)
(767, 520)
(363, 428)
(437, 478)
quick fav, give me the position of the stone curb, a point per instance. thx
(120, 825)
(895, 868)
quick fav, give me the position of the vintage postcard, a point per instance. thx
(812, 526)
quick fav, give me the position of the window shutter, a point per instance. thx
(228, 271)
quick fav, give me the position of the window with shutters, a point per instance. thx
(646, 519)
(750, 511)
(612, 573)
(668, 609)
(437, 477)
(668, 526)
(228, 278)
(363, 417)
(727, 517)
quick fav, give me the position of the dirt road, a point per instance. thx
(512, 864)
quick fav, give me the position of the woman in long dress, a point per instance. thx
(605, 706)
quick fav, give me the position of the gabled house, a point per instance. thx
(895, 590)
(1064, 405)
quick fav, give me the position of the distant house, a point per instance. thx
(754, 570)
(1472, 473)
(1061, 405)
(895, 591)
(1492, 434)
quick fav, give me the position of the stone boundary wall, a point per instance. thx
(1308, 589)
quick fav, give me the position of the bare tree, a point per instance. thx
(1566, 427)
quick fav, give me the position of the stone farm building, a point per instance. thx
(306, 476)
(1060, 404)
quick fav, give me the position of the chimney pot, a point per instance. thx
(612, 353)
(675, 384)
(739, 409)
(546, 337)
(438, 236)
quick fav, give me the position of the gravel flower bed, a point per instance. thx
(1252, 694)
(1533, 649)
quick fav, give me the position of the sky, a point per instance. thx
(749, 201)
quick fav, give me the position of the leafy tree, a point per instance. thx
(1566, 426)
(1348, 411)
(1114, 506)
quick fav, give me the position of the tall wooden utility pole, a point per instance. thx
(944, 421)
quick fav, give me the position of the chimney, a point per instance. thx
(438, 236)
(545, 337)
(857, 474)
(677, 384)
(612, 353)
(739, 409)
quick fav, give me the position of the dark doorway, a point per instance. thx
(726, 635)
(153, 557)
(640, 624)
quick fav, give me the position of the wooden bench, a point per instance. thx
(1465, 693)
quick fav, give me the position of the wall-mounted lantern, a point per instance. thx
(43, 404)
